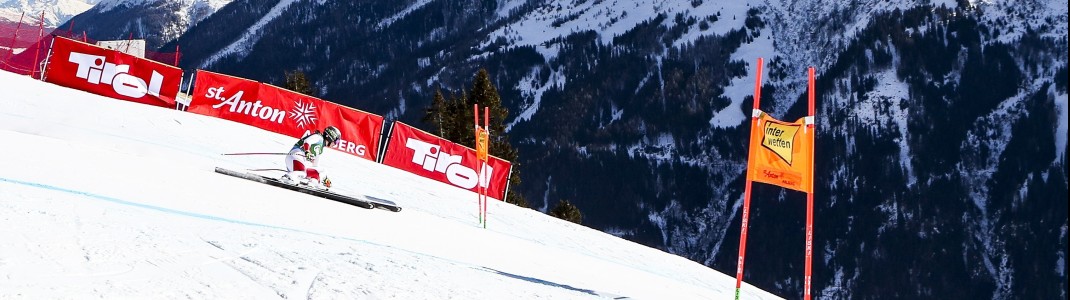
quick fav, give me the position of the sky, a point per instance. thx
(102, 198)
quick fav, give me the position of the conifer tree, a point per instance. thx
(297, 81)
(434, 114)
(458, 126)
(454, 118)
(565, 210)
(485, 94)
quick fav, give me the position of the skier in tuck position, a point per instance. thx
(302, 163)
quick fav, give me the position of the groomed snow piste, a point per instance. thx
(102, 198)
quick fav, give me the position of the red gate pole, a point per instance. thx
(481, 189)
(746, 190)
(486, 126)
(810, 195)
(479, 196)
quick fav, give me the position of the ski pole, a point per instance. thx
(257, 170)
(256, 153)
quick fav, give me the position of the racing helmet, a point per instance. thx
(331, 135)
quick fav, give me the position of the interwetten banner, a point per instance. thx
(283, 111)
(430, 156)
(112, 73)
(782, 155)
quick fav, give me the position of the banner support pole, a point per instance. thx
(48, 59)
(384, 139)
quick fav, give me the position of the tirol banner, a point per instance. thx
(283, 111)
(430, 156)
(112, 73)
(782, 156)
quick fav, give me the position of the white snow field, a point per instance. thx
(102, 198)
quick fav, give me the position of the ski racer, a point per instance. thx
(302, 162)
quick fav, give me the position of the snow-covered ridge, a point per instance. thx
(611, 18)
(241, 46)
(187, 13)
(405, 12)
(55, 11)
(214, 5)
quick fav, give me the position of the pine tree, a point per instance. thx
(565, 210)
(454, 118)
(458, 126)
(485, 94)
(297, 81)
(434, 114)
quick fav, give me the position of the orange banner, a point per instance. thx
(782, 153)
(482, 136)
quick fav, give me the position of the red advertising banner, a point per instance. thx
(304, 111)
(430, 156)
(111, 73)
(252, 103)
(360, 130)
(283, 111)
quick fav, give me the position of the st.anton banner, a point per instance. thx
(283, 111)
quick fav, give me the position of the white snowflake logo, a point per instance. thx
(303, 113)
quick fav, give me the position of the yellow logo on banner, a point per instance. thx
(779, 138)
(482, 136)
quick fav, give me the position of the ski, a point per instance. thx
(364, 201)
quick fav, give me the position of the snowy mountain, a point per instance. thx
(156, 21)
(119, 200)
(941, 156)
(55, 11)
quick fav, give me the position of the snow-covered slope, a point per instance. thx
(55, 11)
(635, 111)
(112, 199)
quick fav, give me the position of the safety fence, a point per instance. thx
(116, 74)
(24, 46)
